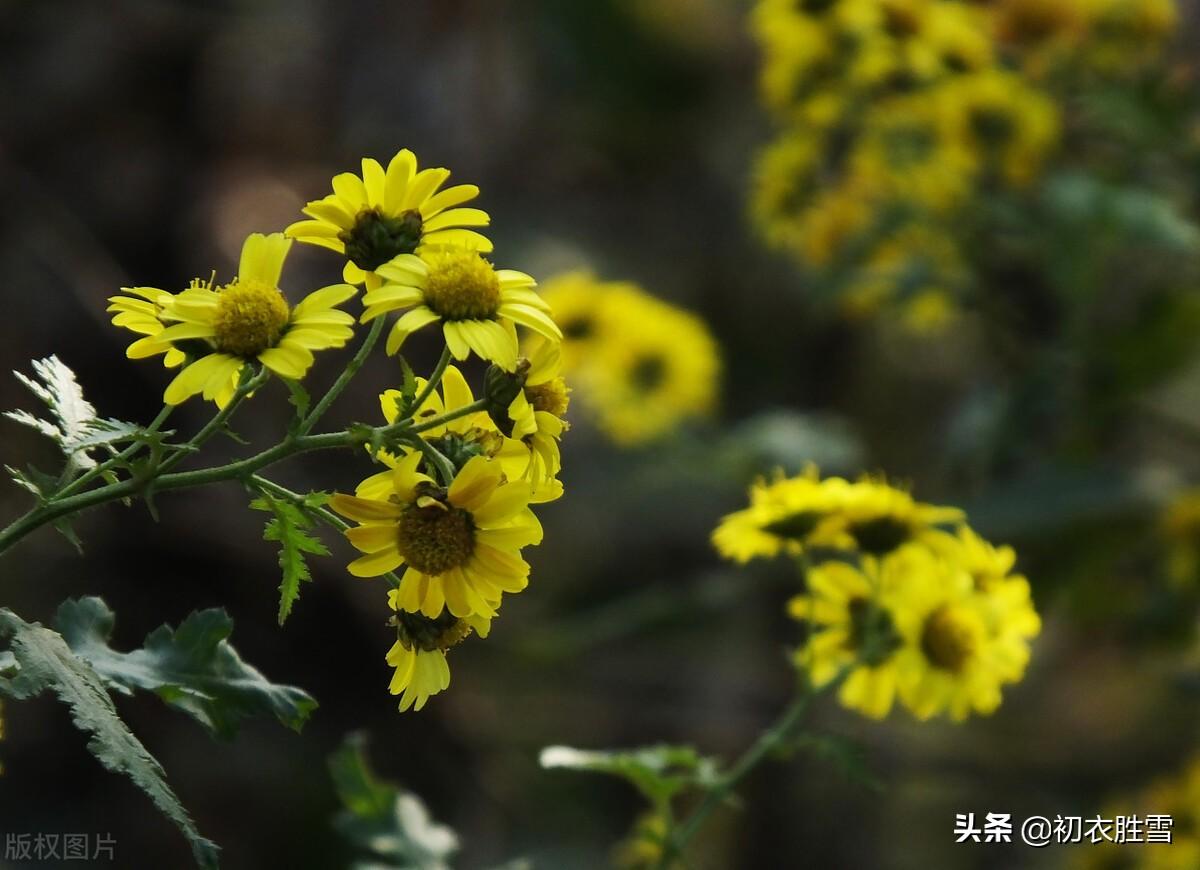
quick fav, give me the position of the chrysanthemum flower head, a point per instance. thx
(419, 653)
(477, 305)
(461, 544)
(783, 515)
(877, 518)
(389, 212)
(852, 630)
(222, 329)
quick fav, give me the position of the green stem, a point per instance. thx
(443, 465)
(348, 373)
(768, 743)
(213, 426)
(477, 405)
(122, 457)
(435, 378)
(238, 470)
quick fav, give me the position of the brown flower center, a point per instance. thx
(948, 639)
(435, 539)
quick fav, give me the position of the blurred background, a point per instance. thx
(1041, 375)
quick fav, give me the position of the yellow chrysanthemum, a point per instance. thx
(917, 269)
(960, 644)
(656, 370)
(958, 35)
(905, 154)
(782, 517)
(1179, 526)
(537, 411)
(222, 329)
(838, 218)
(461, 545)
(785, 181)
(877, 518)
(385, 213)
(795, 48)
(477, 305)
(1008, 127)
(851, 632)
(419, 654)
(141, 311)
(1123, 35)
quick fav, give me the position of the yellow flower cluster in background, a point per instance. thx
(896, 116)
(641, 366)
(903, 599)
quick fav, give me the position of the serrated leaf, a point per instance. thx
(389, 824)
(408, 390)
(658, 772)
(46, 663)
(288, 528)
(299, 398)
(72, 417)
(192, 668)
(101, 433)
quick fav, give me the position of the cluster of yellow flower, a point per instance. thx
(641, 365)
(453, 506)
(903, 599)
(895, 113)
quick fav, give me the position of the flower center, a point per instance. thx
(992, 126)
(435, 539)
(948, 639)
(795, 527)
(648, 372)
(462, 286)
(873, 634)
(376, 238)
(442, 632)
(578, 328)
(250, 318)
(552, 396)
(880, 535)
(900, 21)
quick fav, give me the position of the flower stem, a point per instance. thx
(435, 378)
(465, 410)
(245, 388)
(775, 738)
(124, 456)
(348, 373)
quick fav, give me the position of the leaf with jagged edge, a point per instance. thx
(72, 417)
(289, 528)
(192, 668)
(658, 772)
(408, 390)
(300, 400)
(384, 821)
(44, 662)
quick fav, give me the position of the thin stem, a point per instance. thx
(465, 410)
(437, 459)
(435, 378)
(213, 426)
(767, 744)
(122, 457)
(323, 514)
(348, 373)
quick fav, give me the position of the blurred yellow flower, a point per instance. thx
(385, 213)
(782, 517)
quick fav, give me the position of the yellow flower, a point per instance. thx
(536, 413)
(785, 181)
(223, 329)
(878, 518)
(1008, 127)
(838, 218)
(1124, 35)
(851, 632)
(419, 654)
(477, 305)
(142, 312)
(461, 545)
(958, 35)
(960, 644)
(656, 367)
(782, 517)
(795, 48)
(905, 154)
(576, 298)
(1179, 527)
(383, 214)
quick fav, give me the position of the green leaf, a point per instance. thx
(288, 528)
(45, 662)
(300, 400)
(386, 822)
(72, 418)
(192, 668)
(658, 772)
(408, 390)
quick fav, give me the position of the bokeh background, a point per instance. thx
(140, 141)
